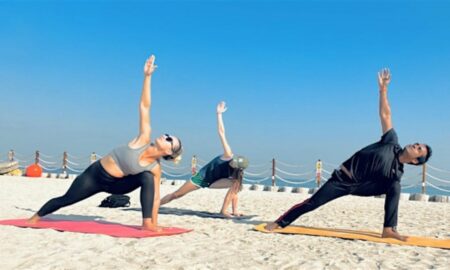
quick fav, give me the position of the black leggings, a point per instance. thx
(339, 185)
(95, 179)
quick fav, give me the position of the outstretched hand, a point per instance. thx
(221, 107)
(384, 78)
(150, 66)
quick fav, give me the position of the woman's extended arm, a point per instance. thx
(221, 108)
(145, 103)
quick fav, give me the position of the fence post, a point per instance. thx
(93, 157)
(11, 155)
(424, 175)
(194, 165)
(36, 159)
(318, 172)
(64, 163)
(273, 172)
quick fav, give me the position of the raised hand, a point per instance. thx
(384, 78)
(150, 66)
(221, 107)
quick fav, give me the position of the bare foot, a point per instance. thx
(149, 225)
(226, 214)
(34, 219)
(271, 226)
(152, 228)
(389, 232)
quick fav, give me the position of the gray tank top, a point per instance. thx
(128, 159)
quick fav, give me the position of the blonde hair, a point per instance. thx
(178, 159)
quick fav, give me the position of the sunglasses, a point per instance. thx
(170, 139)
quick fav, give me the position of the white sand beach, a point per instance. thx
(215, 243)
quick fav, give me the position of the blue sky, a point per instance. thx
(299, 78)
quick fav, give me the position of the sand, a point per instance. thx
(215, 243)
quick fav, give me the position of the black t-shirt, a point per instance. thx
(216, 169)
(378, 161)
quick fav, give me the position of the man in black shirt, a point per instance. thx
(373, 170)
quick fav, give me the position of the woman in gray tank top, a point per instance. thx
(224, 171)
(127, 167)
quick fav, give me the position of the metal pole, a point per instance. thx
(318, 172)
(424, 175)
(64, 164)
(36, 159)
(273, 172)
(194, 165)
(93, 157)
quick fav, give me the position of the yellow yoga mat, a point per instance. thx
(360, 235)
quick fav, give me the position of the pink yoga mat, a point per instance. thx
(94, 227)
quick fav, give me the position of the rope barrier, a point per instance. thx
(289, 165)
(438, 188)
(46, 156)
(49, 169)
(75, 157)
(437, 169)
(410, 186)
(85, 163)
(201, 160)
(295, 183)
(437, 179)
(259, 165)
(23, 156)
(23, 161)
(256, 181)
(46, 162)
(72, 163)
(293, 174)
(176, 175)
(411, 176)
(330, 164)
(74, 170)
(173, 168)
(256, 174)
(200, 165)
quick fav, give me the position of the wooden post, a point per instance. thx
(64, 163)
(93, 157)
(318, 172)
(194, 165)
(273, 172)
(424, 176)
(36, 159)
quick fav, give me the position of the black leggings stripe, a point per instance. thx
(95, 179)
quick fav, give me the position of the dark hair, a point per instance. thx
(175, 153)
(238, 176)
(423, 159)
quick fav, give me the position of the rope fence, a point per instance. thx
(288, 174)
(257, 181)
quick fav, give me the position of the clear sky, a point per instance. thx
(299, 78)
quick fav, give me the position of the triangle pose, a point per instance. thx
(224, 171)
(374, 170)
(127, 167)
